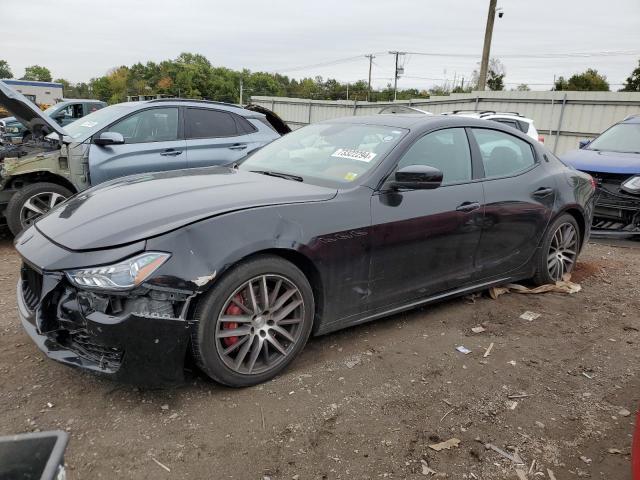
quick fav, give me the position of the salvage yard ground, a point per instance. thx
(367, 402)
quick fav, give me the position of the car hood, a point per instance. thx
(604, 162)
(142, 206)
(27, 112)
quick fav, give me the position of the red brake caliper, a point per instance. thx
(232, 309)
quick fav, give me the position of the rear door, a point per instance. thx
(519, 195)
(153, 142)
(217, 137)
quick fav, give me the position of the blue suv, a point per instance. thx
(120, 140)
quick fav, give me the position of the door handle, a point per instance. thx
(238, 146)
(170, 152)
(542, 192)
(468, 206)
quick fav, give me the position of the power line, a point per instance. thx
(605, 53)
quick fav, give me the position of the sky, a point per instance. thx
(81, 39)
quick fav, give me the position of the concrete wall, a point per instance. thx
(562, 118)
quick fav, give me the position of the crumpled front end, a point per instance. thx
(138, 337)
(617, 212)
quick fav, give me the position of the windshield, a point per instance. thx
(337, 153)
(88, 125)
(623, 137)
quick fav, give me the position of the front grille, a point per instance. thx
(106, 357)
(31, 286)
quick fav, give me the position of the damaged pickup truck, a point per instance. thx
(119, 140)
(613, 160)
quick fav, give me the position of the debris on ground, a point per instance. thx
(530, 316)
(515, 458)
(161, 465)
(425, 468)
(463, 349)
(488, 350)
(478, 329)
(562, 286)
(551, 474)
(585, 459)
(614, 451)
(522, 475)
(623, 412)
(452, 442)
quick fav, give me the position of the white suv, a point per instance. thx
(513, 119)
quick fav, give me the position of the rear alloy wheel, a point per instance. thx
(31, 202)
(559, 252)
(254, 322)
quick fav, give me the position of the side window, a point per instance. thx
(502, 154)
(76, 110)
(447, 150)
(92, 107)
(153, 125)
(208, 123)
(506, 121)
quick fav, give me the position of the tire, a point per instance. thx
(243, 360)
(43, 196)
(559, 251)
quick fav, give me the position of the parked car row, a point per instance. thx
(156, 258)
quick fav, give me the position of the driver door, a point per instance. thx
(425, 241)
(152, 144)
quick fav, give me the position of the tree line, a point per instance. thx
(193, 76)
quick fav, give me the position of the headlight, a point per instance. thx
(120, 276)
(632, 185)
(12, 129)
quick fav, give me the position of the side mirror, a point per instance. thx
(583, 143)
(109, 138)
(417, 177)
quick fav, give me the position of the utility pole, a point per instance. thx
(241, 88)
(488, 33)
(370, 57)
(395, 77)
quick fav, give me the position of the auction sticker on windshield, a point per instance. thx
(353, 154)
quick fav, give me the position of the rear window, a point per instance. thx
(209, 123)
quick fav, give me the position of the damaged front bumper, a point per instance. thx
(616, 213)
(138, 337)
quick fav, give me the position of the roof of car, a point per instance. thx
(187, 102)
(409, 120)
(190, 102)
(635, 118)
(80, 100)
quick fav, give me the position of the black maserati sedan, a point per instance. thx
(335, 224)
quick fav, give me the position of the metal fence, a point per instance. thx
(562, 118)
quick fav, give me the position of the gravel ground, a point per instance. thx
(367, 402)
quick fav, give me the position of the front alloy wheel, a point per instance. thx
(31, 202)
(253, 322)
(260, 324)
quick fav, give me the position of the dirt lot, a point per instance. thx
(367, 402)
